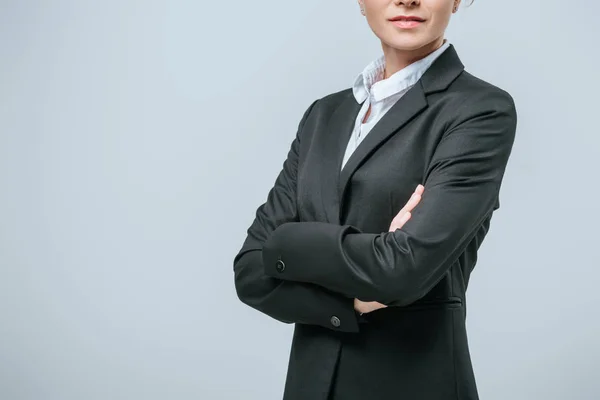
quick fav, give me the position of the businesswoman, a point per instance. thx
(369, 235)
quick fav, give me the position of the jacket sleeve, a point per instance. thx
(462, 185)
(289, 302)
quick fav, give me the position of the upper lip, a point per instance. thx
(407, 18)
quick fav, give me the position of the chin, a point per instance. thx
(406, 43)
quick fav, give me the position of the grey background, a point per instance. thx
(127, 187)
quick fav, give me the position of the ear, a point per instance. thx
(455, 6)
(361, 4)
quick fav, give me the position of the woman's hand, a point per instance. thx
(398, 222)
(405, 214)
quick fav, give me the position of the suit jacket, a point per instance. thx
(321, 239)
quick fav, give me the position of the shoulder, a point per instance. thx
(473, 91)
(330, 101)
(323, 107)
(471, 98)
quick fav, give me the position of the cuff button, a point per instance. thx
(279, 266)
(335, 321)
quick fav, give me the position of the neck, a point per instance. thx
(395, 59)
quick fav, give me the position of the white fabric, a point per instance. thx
(381, 95)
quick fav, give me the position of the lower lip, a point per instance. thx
(407, 24)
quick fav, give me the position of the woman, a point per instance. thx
(367, 239)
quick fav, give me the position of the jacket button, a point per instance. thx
(335, 321)
(279, 266)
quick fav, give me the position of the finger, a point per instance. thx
(399, 221)
(404, 219)
(376, 306)
(372, 306)
(415, 198)
(411, 203)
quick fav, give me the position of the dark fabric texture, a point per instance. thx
(321, 239)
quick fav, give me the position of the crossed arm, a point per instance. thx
(327, 265)
(401, 266)
(284, 300)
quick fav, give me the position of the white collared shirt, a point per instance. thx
(381, 95)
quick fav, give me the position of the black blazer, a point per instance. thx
(321, 239)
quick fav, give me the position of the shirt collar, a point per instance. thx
(369, 80)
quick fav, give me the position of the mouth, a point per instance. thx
(407, 18)
(407, 21)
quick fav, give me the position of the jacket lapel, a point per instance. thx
(438, 77)
(339, 130)
(401, 112)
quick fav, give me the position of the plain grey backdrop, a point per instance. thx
(127, 188)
